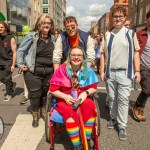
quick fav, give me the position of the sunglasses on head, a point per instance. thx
(72, 27)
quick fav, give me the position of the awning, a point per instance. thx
(2, 17)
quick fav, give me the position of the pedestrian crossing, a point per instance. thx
(23, 136)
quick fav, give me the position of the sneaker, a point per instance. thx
(138, 113)
(89, 144)
(111, 123)
(79, 147)
(14, 87)
(7, 98)
(122, 134)
(24, 100)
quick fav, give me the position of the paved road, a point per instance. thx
(19, 134)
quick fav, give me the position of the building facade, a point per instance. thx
(17, 14)
(137, 13)
(56, 9)
(94, 28)
(34, 11)
(103, 23)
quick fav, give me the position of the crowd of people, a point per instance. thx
(60, 62)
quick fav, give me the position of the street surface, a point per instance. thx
(19, 134)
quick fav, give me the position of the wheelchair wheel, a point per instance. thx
(96, 129)
(98, 116)
(47, 119)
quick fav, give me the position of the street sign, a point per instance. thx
(2, 17)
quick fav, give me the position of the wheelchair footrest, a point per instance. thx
(55, 116)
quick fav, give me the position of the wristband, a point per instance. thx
(87, 92)
(136, 70)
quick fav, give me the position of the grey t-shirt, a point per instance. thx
(145, 57)
(119, 49)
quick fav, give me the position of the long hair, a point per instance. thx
(40, 20)
(6, 26)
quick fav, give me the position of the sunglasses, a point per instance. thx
(72, 27)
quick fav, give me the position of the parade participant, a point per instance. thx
(25, 99)
(34, 57)
(120, 52)
(7, 59)
(144, 42)
(108, 103)
(97, 53)
(70, 75)
(127, 24)
(72, 37)
(56, 33)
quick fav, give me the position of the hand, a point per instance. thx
(138, 79)
(24, 68)
(102, 75)
(69, 100)
(82, 96)
(12, 68)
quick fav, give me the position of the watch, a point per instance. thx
(87, 92)
(136, 70)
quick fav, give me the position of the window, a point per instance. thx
(45, 1)
(45, 10)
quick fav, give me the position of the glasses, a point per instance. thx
(120, 17)
(72, 27)
(76, 55)
(48, 23)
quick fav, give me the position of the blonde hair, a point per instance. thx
(39, 21)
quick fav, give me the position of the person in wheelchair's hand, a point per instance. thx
(72, 81)
(69, 99)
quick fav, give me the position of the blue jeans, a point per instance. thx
(119, 89)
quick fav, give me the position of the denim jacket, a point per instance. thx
(26, 53)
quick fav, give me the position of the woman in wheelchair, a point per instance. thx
(74, 74)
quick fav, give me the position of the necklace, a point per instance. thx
(45, 38)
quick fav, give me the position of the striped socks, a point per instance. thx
(88, 127)
(73, 131)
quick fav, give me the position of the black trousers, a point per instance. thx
(98, 64)
(6, 78)
(38, 85)
(145, 85)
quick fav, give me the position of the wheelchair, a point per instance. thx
(56, 124)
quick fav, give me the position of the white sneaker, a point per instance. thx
(7, 98)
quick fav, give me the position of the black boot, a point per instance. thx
(43, 112)
(35, 122)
